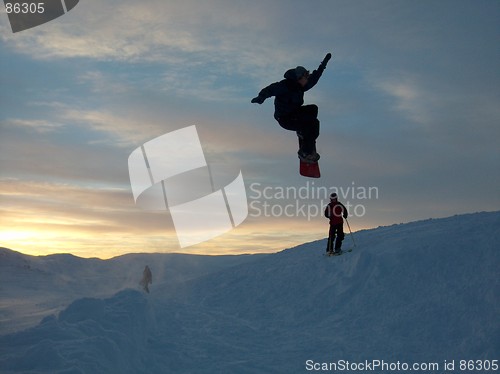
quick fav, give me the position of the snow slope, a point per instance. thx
(32, 288)
(423, 292)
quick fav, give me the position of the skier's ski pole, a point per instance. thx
(352, 236)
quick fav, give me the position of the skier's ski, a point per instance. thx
(337, 254)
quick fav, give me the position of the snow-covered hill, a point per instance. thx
(422, 293)
(32, 288)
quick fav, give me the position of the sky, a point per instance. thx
(408, 106)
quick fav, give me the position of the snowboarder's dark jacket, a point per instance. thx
(335, 211)
(288, 93)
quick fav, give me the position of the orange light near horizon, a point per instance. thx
(8, 236)
(253, 236)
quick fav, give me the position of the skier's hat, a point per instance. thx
(301, 71)
(333, 196)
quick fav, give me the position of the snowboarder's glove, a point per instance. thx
(258, 100)
(327, 58)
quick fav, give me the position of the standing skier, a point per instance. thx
(335, 211)
(289, 110)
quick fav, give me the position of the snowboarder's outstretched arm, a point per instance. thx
(273, 89)
(282, 87)
(316, 74)
(327, 58)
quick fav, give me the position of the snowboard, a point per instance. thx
(310, 170)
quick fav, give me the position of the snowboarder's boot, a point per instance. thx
(308, 157)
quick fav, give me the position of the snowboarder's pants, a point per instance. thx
(336, 232)
(305, 122)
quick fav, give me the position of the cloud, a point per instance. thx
(217, 51)
(40, 126)
(122, 130)
(103, 84)
(408, 99)
(166, 32)
(62, 214)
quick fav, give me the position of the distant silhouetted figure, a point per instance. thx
(147, 279)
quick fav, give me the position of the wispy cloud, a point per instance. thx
(36, 125)
(408, 99)
(167, 32)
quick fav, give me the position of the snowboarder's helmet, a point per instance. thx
(333, 196)
(301, 71)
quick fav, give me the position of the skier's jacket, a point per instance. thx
(335, 211)
(288, 93)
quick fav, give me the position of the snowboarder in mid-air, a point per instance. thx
(335, 211)
(290, 112)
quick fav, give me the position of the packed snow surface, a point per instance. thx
(424, 293)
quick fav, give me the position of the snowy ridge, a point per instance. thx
(422, 292)
(32, 288)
